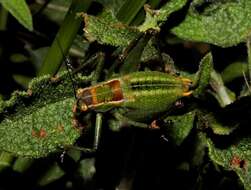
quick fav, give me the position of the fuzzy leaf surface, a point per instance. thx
(154, 18)
(236, 157)
(225, 23)
(39, 121)
(106, 29)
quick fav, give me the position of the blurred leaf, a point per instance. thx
(236, 157)
(225, 23)
(37, 56)
(199, 149)
(20, 10)
(18, 58)
(87, 168)
(39, 121)
(154, 18)
(233, 71)
(63, 42)
(115, 5)
(106, 29)
(203, 75)
(55, 10)
(22, 164)
(22, 80)
(53, 173)
(6, 160)
(180, 127)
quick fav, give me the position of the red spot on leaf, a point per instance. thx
(39, 134)
(33, 133)
(42, 133)
(237, 162)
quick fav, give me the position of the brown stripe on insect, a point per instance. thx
(116, 89)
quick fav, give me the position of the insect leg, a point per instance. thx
(97, 133)
(124, 121)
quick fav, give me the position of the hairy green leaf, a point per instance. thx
(39, 121)
(236, 157)
(203, 75)
(106, 29)
(216, 122)
(225, 23)
(20, 10)
(180, 127)
(154, 18)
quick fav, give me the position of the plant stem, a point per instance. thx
(249, 58)
(64, 38)
(129, 10)
(220, 90)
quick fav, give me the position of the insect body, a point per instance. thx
(143, 94)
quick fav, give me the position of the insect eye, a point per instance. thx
(82, 106)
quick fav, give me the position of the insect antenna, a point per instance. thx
(68, 67)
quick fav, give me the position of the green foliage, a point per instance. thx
(204, 74)
(207, 122)
(180, 127)
(31, 125)
(106, 29)
(223, 23)
(236, 157)
(233, 71)
(154, 18)
(20, 10)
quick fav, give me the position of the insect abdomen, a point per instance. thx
(152, 92)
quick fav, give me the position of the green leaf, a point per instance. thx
(217, 122)
(106, 29)
(22, 164)
(52, 174)
(203, 75)
(180, 127)
(236, 157)
(63, 42)
(154, 18)
(225, 23)
(87, 168)
(39, 121)
(233, 71)
(6, 160)
(20, 10)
